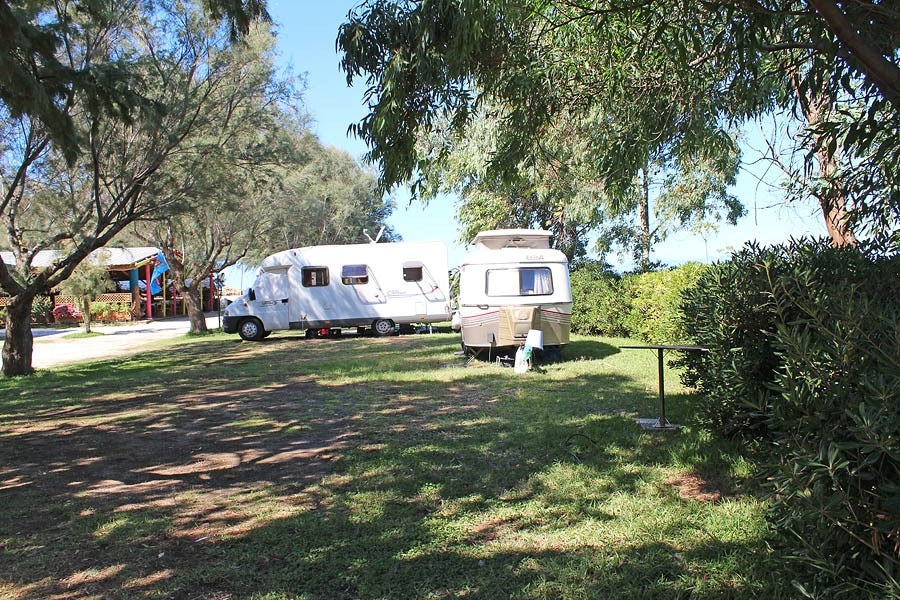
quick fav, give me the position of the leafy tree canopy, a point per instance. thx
(36, 82)
(657, 78)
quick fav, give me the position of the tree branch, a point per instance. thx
(881, 71)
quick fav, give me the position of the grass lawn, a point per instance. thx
(367, 468)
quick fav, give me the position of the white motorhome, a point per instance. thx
(510, 283)
(325, 288)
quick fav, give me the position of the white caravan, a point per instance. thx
(321, 289)
(510, 283)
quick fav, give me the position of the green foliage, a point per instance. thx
(104, 310)
(806, 338)
(645, 305)
(599, 301)
(35, 80)
(149, 89)
(655, 300)
(40, 310)
(727, 311)
(643, 81)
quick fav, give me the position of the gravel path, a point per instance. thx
(53, 347)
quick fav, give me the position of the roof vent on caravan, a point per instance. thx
(497, 239)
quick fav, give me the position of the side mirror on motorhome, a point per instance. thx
(251, 294)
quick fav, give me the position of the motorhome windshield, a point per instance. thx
(522, 281)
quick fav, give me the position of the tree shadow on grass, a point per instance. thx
(272, 471)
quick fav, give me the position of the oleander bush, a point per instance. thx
(804, 359)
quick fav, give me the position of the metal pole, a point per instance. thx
(662, 391)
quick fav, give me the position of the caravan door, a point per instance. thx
(273, 295)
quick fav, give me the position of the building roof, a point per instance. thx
(114, 259)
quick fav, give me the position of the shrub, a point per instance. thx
(655, 303)
(40, 309)
(807, 338)
(105, 311)
(599, 304)
(67, 313)
(728, 311)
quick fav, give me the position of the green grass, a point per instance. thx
(367, 468)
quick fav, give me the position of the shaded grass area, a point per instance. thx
(366, 468)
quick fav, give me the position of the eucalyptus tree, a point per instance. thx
(52, 199)
(548, 192)
(667, 78)
(558, 189)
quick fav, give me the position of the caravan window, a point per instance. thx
(526, 281)
(412, 271)
(314, 276)
(354, 274)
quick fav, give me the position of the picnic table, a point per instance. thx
(661, 423)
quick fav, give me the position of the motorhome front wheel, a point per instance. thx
(251, 330)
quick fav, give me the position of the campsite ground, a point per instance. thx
(363, 468)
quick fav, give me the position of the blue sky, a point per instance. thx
(306, 42)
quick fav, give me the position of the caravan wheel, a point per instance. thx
(383, 327)
(251, 330)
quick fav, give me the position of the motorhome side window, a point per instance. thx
(526, 281)
(354, 274)
(314, 276)
(412, 271)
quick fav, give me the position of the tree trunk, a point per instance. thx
(19, 342)
(644, 216)
(832, 198)
(834, 202)
(191, 296)
(86, 311)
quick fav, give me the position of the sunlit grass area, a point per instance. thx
(368, 468)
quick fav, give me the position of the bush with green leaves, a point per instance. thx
(40, 309)
(599, 303)
(804, 342)
(104, 310)
(655, 300)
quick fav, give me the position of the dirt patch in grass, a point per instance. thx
(692, 486)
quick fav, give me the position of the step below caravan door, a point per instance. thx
(273, 292)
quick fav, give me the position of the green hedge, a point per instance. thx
(645, 306)
(805, 359)
(655, 300)
(599, 301)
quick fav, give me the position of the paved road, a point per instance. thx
(51, 346)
